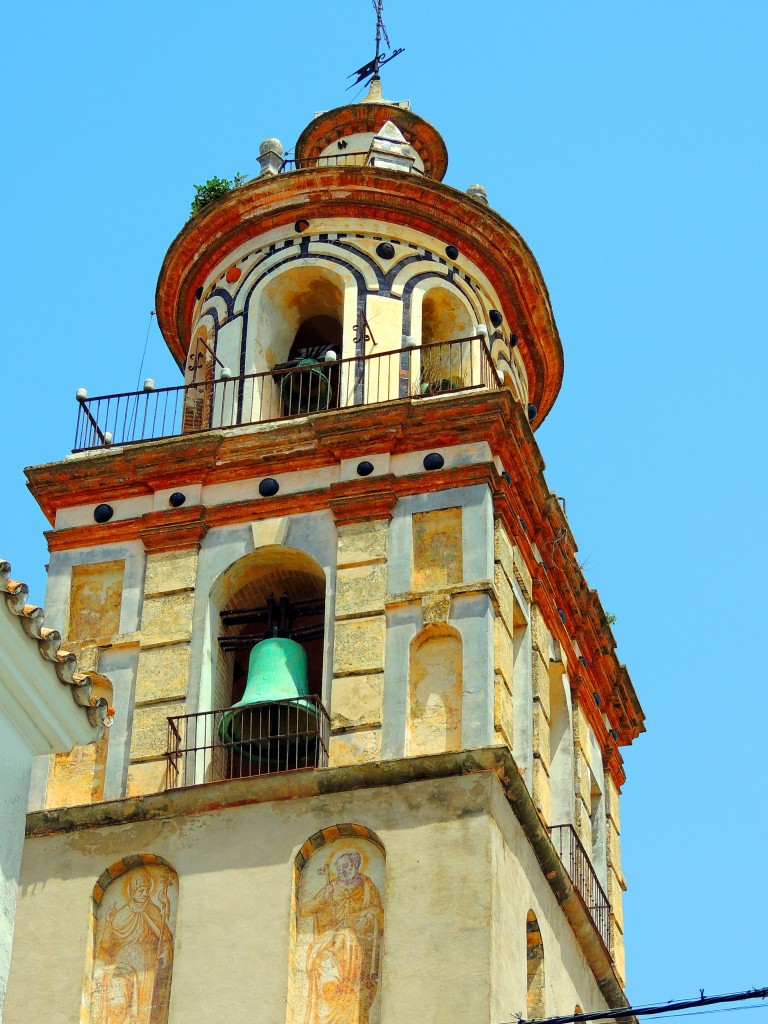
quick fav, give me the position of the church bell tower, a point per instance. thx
(365, 762)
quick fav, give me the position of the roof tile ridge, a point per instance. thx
(32, 620)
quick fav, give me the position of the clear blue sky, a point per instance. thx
(626, 141)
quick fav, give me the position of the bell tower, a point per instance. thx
(368, 712)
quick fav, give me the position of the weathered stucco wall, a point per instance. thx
(567, 979)
(460, 878)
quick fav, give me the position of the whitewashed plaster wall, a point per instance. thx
(37, 716)
(15, 769)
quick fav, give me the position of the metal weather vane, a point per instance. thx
(370, 70)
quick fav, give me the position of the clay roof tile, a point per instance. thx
(32, 620)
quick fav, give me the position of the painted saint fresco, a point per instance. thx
(340, 933)
(133, 955)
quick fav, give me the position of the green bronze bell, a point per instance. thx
(277, 736)
(305, 388)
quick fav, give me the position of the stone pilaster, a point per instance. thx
(357, 691)
(542, 795)
(582, 779)
(616, 884)
(162, 676)
(504, 627)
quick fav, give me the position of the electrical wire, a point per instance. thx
(701, 1013)
(660, 1009)
(144, 353)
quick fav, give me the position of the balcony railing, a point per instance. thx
(261, 739)
(579, 867)
(345, 158)
(311, 387)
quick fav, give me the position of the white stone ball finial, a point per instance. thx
(271, 156)
(478, 193)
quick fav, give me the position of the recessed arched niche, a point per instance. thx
(435, 686)
(445, 317)
(560, 749)
(535, 990)
(337, 927)
(131, 943)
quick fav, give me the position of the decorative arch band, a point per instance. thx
(327, 835)
(121, 867)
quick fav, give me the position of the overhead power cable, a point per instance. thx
(623, 1012)
(718, 1009)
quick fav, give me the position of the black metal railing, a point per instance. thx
(260, 739)
(344, 158)
(579, 867)
(286, 392)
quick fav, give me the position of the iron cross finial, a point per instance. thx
(371, 69)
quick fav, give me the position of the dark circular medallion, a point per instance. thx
(532, 410)
(385, 250)
(496, 318)
(364, 468)
(434, 461)
(268, 487)
(451, 252)
(177, 499)
(103, 513)
(301, 225)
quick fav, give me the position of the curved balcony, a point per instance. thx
(345, 158)
(306, 388)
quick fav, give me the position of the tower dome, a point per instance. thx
(363, 132)
(362, 212)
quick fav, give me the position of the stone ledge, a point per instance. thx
(165, 639)
(454, 590)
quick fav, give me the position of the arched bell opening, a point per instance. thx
(445, 317)
(312, 383)
(269, 664)
(299, 340)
